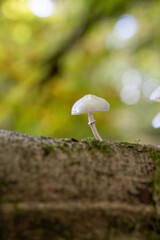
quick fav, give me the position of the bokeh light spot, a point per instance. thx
(15, 10)
(149, 85)
(42, 8)
(126, 27)
(132, 77)
(130, 95)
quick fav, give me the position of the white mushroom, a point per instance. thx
(90, 104)
(155, 96)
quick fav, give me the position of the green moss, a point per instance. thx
(44, 137)
(74, 162)
(48, 149)
(101, 146)
(88, 139)
(128, 145)
(68, 140)
(65, 139)
(104, 148)
(154, 154)
(98, 173)
(76, 148)
(64, 148)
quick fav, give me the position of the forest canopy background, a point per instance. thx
(53, 52)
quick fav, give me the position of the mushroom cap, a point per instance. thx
(89, 104)
(156, 121)
(155, 96)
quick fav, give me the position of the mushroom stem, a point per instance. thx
(92, 124)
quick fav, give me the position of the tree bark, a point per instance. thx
(83, 190)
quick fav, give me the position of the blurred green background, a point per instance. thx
(53, 52)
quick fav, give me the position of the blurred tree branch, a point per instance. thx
(96, 11)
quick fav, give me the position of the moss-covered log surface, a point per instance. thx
(64, 189)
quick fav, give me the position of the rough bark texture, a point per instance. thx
(64, 189)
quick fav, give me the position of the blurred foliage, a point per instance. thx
(46, 64)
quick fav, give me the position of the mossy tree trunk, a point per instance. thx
(54, 189)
